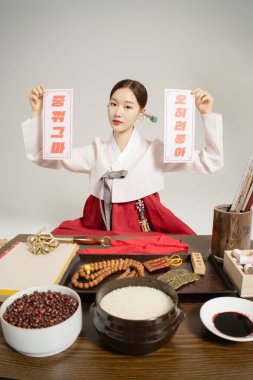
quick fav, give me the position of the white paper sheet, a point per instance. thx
(57, 124)
(179, 125)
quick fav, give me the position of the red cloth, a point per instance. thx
(124, 219)
(152, 245)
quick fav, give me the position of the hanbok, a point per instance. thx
(142, 164)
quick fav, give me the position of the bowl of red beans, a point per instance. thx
(41, 321)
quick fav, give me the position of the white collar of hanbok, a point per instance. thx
(120, 156)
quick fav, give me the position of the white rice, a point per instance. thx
(136, 303)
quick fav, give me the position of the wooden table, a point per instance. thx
(193, 353)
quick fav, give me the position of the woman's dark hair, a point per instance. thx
(138, 89)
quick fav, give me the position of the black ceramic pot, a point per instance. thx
(140, 336)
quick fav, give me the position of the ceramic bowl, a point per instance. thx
(136, 337)
(44, 341)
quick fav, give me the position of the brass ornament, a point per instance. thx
(42, 242)
(179, 277)
(143, 220)
(172, 274)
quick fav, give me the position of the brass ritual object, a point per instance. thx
(44, 242)
(179, 277)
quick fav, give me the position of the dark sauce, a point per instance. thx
(233, 323)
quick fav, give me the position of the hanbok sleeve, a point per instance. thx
(82, 158)
(210, 158)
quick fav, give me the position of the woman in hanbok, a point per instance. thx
(127, 171)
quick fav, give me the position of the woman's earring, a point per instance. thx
(152, 118)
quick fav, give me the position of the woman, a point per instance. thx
(127, 171)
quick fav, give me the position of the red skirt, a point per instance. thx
(125, 219)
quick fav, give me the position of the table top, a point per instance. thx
(193, 352)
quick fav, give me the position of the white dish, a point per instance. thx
(44, 341)
(224, 304)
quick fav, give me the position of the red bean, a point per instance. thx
(40, 309)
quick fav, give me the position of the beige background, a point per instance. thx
(89, 46)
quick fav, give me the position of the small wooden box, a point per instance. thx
(242, 281)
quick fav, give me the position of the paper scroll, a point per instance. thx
(57, 124)
(179, 126)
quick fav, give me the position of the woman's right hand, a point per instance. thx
(36, 100)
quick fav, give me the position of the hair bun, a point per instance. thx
(152, 118)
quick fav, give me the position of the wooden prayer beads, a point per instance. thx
(95, 273)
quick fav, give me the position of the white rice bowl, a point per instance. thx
(136, 303)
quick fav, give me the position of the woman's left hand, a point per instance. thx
(203, 100)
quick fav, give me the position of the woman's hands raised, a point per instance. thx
(36, 100)
(203, 100)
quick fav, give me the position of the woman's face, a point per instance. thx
(123, 110)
